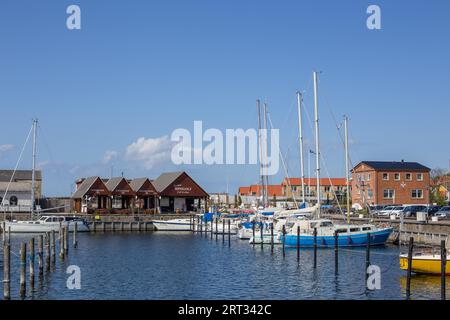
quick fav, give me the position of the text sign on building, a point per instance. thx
(179, 189)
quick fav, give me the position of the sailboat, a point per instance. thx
(322, 232)
(46, 223)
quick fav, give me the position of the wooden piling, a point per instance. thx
(368, 255)
(23, 269)
(284, 241)
(103, 227)
(74, 235)
(223, 231)
(9, 235)
(298, 243)
(408, 274)
(121, 226)
(336, 252)
(217, 229)
(315, 248)
(271, 237)
(40, 255)
(229, 233)
(6, 271)
(3, 232)
(262, 234)
(47, 252)
(94, 226)
(61, 243)
(443, 267)
(66, 239)
(130, 226)
(113, 226)
(53, 247)
(31, 263)
(254, 233)
(139, 226)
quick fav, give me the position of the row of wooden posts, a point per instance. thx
(49, 241)
(199, 226)
(123, 226)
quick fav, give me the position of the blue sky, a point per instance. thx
(144, 68)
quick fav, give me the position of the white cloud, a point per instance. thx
(109, 156)
(150, 152)
(5, 148)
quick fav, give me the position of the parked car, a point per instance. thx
(397, 210)
(444, 212)
(411, 211)
(431, 210)
(386, 211)
(376, 209)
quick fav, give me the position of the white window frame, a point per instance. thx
(416, 191)
(387, 176)
(406, 176)
(421, 176)
(399, 176)
(392, 194)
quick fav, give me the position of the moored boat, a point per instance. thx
(173, 225)
(347, 235)
(424, 264)
(46, 224)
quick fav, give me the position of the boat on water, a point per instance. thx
(348, 235)
(173, 225)
(47, 224)
(424, 263)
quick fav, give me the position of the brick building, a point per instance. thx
(383, 183)
(330, 188)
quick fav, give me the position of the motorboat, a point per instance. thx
(173, 225)
(46, 224)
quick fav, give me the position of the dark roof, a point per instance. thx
(165, 180)
(136, 184)
(395, 165)
(112, 183)
(5, 175)
(84, 187)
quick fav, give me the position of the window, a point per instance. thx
(397, 176)
(420, 177)
(294, 189)
(13, 201)
(369, 193)
(386, 176)
(327, 188)
(388, 194)
(408, 177)
(368, 177)
(417, 194)
(359, 177)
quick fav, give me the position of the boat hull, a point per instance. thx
(28, 227)
(424, 265)
(172, 225)
(354, 240)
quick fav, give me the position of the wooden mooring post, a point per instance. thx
(75, 231)
(66, 239)
(336, 252)
(121, 226)
(284, 241)
(229, 233)
(262, 234)
(23, 269)
(47, 252)
(443, 269)
(368, 255)
(113, 226)
(271, 237)
(61, 243)
(31, 263)
(103, 226)
(254, 233)
(315, 248)
(298, 244)
(223, 231)
(3, 232)
(40, 255)
(408, 274)
(6, 271)
(94, 226)
(130, 226)
(53, 247)
(217, 229)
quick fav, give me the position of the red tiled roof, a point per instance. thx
(272, 190)
(313, 181)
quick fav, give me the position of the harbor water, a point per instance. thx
(172, 266)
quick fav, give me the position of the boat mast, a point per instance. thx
(266, 150)
(300, 129)
(347, 169)
(258, 107)
(316, 122)
(33, 172)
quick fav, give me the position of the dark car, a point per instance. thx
(431, 210)
(444, 212)
(411, 211)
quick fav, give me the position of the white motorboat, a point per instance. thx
(173, 225)
(46, 224)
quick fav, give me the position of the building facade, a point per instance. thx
(15, 189)
(331, 189)
(384, 183)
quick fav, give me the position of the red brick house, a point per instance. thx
(384, 182)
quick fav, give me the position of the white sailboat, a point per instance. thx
(45, 223)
